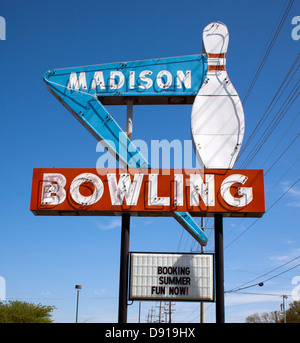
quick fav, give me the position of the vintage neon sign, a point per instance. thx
(173, 76)
(128, 81)
(217, 120)
(175, 80)
(234, 193)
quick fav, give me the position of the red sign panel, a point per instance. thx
(153, 192)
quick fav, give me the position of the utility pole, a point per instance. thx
(78, 287)
(165, 312)
(276, 316)
(169, 310)
(139, 311)
(151, 314)
(159, 313)
(283, 305)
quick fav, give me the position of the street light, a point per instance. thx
(78, 287)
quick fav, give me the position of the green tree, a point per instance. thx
(23, 312)
(292, 315)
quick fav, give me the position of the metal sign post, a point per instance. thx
(125, 238)
(220, 313)
(123, 288)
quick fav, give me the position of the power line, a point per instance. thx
(289, 76)
(270, 294)
(292, 124)
(271, 271)
(262, 282)
(273, 277)
(68, 298)
(267, 53)
(286, 149)
(274, 123)
(274, 203)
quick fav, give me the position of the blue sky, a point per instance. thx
(42, 258)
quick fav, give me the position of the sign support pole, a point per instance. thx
(123, 286)
(220, 312)
(202, 304)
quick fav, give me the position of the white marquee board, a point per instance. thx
(171, 276)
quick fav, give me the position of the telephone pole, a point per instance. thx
(159, 313)
(150, 315)
(170, 304)
(283, 306)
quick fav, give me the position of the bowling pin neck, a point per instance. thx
(215, 44)
(216, 62)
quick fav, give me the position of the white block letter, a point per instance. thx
(160, 82)
(75, 83)
(186, 79)
(53, 192)
(143, 78)
(131, 79)
(124, 188)
(98, 80)
(153, 199)
(112, 80)
(86, 200)
(178, 190)
(205, 190)
(245, 192)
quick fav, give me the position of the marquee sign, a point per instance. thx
(234, 193)
(168, 276)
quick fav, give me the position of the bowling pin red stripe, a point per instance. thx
(223, 55)
(219, 68)
(216, 62)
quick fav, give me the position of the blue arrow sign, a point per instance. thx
(79, 90)
(156, 78)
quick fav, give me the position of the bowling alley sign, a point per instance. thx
(217, 127)
(235, 193)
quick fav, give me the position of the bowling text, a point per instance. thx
(147, 192)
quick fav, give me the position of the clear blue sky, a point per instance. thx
(42, 258)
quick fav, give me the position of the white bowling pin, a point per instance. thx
(217, 121)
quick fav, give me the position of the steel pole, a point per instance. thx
(202, 304)
(123, 287)
(220, 309)
(284, 312)
(77, 306)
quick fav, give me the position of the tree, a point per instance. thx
(262, 318)
(23, 312)
(292, 315)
